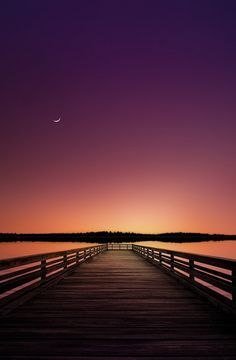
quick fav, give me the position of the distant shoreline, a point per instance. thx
(105, 237)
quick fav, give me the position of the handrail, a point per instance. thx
(119, 246)
(20, 275)
(212, 277)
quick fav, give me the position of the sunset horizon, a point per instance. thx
(120, 232)
(122, 119)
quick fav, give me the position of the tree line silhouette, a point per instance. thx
(107, 236)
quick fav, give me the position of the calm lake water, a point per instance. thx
(22, 248)
(225, 249)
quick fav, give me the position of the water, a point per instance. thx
(22, 248)
(225, 249)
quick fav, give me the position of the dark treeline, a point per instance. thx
(105, 236)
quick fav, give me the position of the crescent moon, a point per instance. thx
(56, 121)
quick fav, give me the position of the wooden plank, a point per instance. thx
(125, 347)
(219, 333)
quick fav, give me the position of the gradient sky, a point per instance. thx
(146, 93)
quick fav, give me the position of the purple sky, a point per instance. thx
(146, 94)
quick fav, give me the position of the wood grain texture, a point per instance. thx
(117, 306)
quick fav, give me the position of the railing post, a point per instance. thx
(43, 269)
(65, 261)
(160, 258)
(234, 288)
(152, 255)
(191, 268)
(77, 257)
(172, 262)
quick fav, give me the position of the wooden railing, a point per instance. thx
(212, 277)
(23, 277)
(119, 246)
(19, 276)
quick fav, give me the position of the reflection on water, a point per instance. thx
(22, 248)
(225, 249)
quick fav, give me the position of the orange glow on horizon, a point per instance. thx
(116, 206)
(146, 97)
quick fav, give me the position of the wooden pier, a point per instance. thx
(96, 304)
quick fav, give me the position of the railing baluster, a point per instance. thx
(191, 269)
(172, 262)
(234, 288)
(43, 269)
(65, 261)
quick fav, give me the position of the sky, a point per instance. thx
(146, 95)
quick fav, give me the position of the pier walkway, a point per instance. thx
(117, 305)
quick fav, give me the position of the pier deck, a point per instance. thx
(117, 305)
